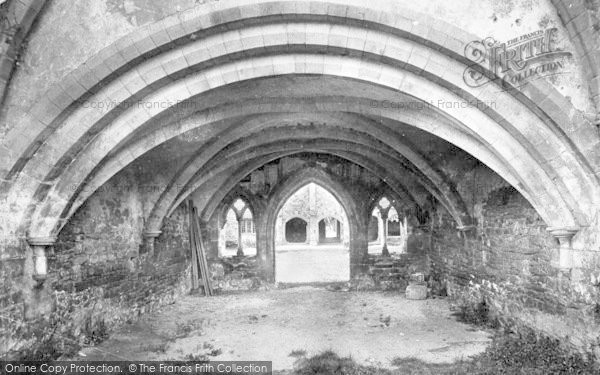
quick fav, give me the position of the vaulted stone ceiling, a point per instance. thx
(225, 83)
(111, 130)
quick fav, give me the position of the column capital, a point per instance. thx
(149, 238)
(40, 245)
(563, 233)
(41, 241)
(151, 233)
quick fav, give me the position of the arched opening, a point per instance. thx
(248, 230)
(237, 237)
(394, 225)
(295, 230)
(230, 232)
(330, 230)
(388, 230)
(486, 175)
(309, 249)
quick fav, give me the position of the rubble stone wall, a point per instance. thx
(98, 278)
(508, 265)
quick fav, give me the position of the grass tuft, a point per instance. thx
(329, 362)
(527, 354)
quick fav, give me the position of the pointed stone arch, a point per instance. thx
(292, 184)
(272, 153)
(527, 130)
(254, 205)
(451, 200)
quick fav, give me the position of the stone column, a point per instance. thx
(380, 230)
(149, 241)
(312, 197)
(240, 249)
(221, 245)
(384, 251)
(41, 247)
(346, 232)
(404, 234)
(212, 241)
(262, 245)
(564, 237)
(280, 232)
(359, 248)
(312, 230)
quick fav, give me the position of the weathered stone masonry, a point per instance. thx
(510, 263)
(178, 100)
(99, 276)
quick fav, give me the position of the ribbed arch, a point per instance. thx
(524, 130)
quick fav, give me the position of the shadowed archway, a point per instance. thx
(295, 230)
(308, 253)
(319, 177)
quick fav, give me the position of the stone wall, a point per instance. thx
(508, 264)
(97, 277)
(234, 274)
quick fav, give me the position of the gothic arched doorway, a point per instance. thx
(330, 230)
(295, 230)
(311, 243)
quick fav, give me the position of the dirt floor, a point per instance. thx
(285, 324)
